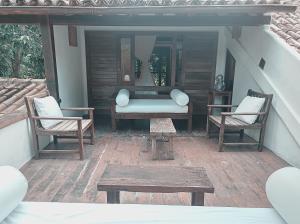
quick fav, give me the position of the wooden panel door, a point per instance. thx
(103, 69)
(198, 67)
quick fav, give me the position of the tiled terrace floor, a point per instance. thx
(238, 174)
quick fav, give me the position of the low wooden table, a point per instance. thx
(164, 130)
(171, 179)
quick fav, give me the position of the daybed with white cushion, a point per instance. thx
(176, 106)
(282, 190)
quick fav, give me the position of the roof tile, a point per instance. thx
(287, 26)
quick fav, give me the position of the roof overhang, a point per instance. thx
(194, 15)
(139, 10)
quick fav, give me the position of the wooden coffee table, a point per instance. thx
(163, 179)
(162, 129)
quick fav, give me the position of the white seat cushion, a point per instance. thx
(78, 213)
(13, 187)
(122, 98)
(249, 105)
(283, 192)
(48, 107)
(179, 97)
(152, 106)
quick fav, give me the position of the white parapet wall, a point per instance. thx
(16, 144)
(279, 76)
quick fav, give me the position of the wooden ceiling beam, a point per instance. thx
(57, 10)
(20, 19)
(233, 20)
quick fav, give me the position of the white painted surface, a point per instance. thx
(16, 144)
(69, 69)
(278, 77)
(88, 213)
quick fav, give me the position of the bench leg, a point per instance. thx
(197, 198)
(190, 125)
(113, 124)
(54, 139)
(113, 197)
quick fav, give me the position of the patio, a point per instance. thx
(238, 174)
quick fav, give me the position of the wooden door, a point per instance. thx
(198, 67)
(103, 69)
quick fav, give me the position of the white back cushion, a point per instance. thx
(249, 104)
(48, 107)
(283, 192)
(13, 187)
(179, 97)
(122, 98)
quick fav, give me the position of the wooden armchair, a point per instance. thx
(225, 121)
(69, 127)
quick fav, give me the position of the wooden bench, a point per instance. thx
(164, 130)
(164, 179)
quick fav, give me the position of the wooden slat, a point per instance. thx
(66, 127)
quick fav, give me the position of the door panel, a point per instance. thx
(198, 70)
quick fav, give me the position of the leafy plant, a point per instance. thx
(21, 51)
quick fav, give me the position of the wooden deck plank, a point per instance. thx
(238, 175)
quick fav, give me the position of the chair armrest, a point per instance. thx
(233, 113)
(78, 108)
(57, 118)
(221, 106)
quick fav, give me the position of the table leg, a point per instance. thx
(171, 152)
(197, 198)
(154, 149)
(113, 197)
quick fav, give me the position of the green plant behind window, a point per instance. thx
(21, 51)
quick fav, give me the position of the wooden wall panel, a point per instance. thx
(199, 64)
(103, 69)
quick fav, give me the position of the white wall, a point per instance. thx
(278, 77)
(69, 69)
(16, 144)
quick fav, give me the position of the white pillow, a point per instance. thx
(283, 192)
(13, 188)
(179, 97)
(48, 107)
(249, 104)
(122, 98)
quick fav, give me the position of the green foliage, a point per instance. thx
(21, 51)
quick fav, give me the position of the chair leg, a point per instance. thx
(207, 128)
(36, 147)
(92, 130)
(261, 139)
(221, 138)
(80, 139)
